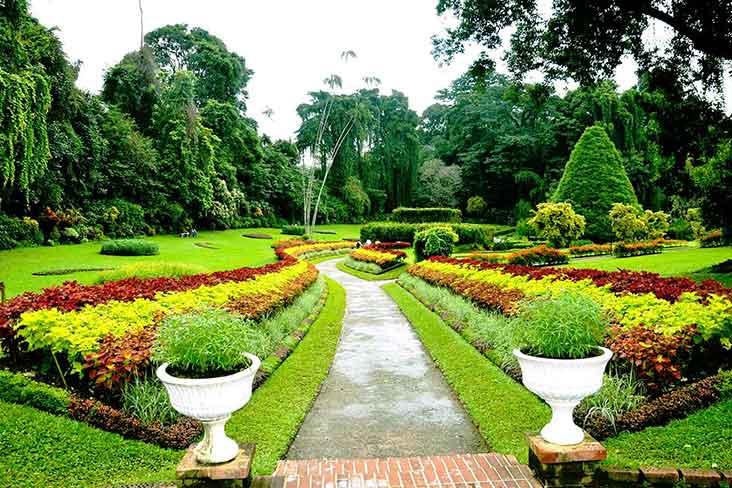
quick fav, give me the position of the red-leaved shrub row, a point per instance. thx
(72, 296)
(676, 404)
(179, 435)
(627, 249)
(538, 256)
(669, 288)
(122, 358)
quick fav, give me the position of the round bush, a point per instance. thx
(593, 180)
(435, 241)
(130, 247)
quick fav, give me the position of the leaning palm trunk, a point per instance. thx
(310, 219)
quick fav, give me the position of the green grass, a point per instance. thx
(273, 416)
(698, 441)
(40, 449)
(691, 262)
(502, 409)
(17, 265)
(392, 274)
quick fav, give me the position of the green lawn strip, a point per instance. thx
(233, 251)
(502, 409)
(273, 416)
(700, 440)
(672, 262)
(392, 274)
(40, 449)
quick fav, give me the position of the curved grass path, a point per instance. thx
(383, 396)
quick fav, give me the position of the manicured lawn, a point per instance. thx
(233, 250)
(691, 262)
(501, 408)
(273, 416)
(40, 449)
(698, 441)
(392, 274)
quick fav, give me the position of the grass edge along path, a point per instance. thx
(502, 409)
(392, 274)
(273, 416)
(41, 449)
(701, 440)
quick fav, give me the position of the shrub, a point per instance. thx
(434, 241)
(591, 250)
(17, 388)
(130, 247)
(696, 222)
(569, 326)
(147, 400)
(557, 223)
(655, 224)
(420, 215)
(712, 239)
(630, 224)
(356, 197)
(150, 270)
(118, 217)
(293, 230)
(208, 343)
(627, 249)
(476, 206)
(681, 229)
(538, 256)
(473, 234)
(619, 394)
(594, 178)
(16, 232)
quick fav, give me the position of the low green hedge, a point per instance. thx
(17, 388)
(130, 247)
(293, 230)
(474, 234)
(420, 215)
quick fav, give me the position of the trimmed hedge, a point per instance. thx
(627, 249)
(593, 180)
(129, 247)
(475, 234)
(293, 230)
(17, 388)
(421, 215)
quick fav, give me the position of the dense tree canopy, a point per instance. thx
(586, 41)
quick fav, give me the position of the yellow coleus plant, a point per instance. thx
(373, 256)
(77, 333)
(712, 316)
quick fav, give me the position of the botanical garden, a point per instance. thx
(529, 283)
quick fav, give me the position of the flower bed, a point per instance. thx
(311, 249)
(627, 249)
(536, 256)
(662, 325)
(590, 250)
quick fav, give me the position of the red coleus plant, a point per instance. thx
(121, 359)
(660, 360)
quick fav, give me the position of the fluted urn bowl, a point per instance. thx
(211, 401)
(563, 383)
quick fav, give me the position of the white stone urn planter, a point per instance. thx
(563, 383)
(211, 401)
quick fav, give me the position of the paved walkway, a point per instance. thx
(384, 396)
(459, 471)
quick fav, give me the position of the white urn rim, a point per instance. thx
(166, 377)
(601, 359)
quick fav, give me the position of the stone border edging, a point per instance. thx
(610, 476)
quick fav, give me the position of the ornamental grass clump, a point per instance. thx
(568, 326)
(208, 343)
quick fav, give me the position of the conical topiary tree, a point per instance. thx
(593, 180)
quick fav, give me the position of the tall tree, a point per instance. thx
(587, 40)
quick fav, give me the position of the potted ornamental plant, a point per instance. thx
(558, 346)
(207, 374)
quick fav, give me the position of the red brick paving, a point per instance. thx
(489, 470)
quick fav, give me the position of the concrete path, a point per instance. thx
(383, 396)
